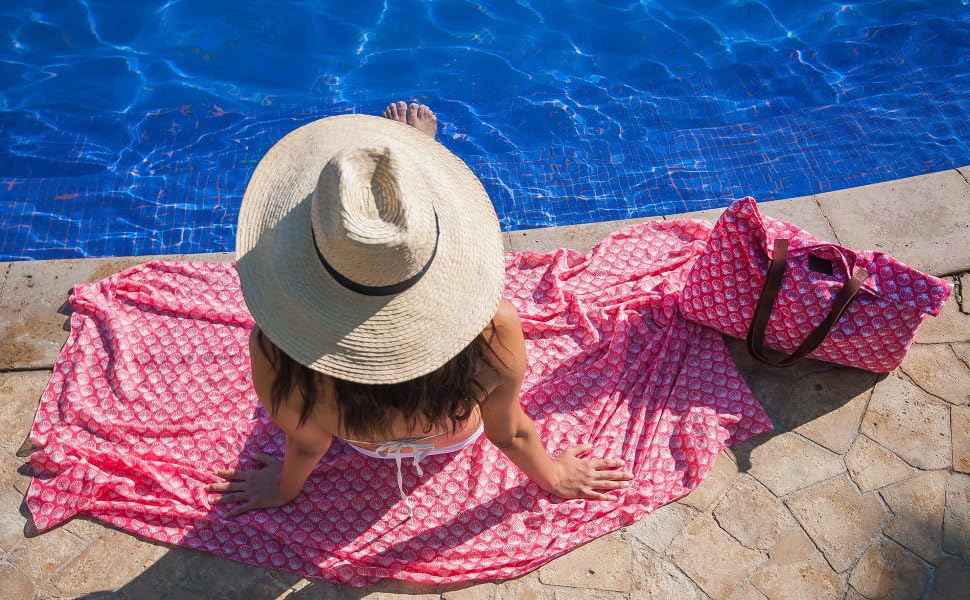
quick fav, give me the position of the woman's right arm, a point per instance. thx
(513, 432)
(305, 444)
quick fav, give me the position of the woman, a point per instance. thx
(371, 260)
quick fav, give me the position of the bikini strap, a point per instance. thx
(403, 440)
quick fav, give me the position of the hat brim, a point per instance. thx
(333, 330)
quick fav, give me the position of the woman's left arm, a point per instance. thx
(509, 428)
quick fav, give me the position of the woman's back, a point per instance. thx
(325, 416)
(440, 435)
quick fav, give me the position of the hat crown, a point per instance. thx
(373, 221)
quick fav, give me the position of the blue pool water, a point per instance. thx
(132, 127)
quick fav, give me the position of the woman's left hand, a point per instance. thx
(256, 489)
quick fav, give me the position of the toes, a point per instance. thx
(396, 111)
(423, 112)
(413, 114)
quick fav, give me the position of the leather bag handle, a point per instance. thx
(762, 312)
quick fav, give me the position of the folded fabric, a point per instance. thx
(152, 393)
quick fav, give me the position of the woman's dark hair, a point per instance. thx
(449, 393)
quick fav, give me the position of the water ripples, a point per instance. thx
(132, 127)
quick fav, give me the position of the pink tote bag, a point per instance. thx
(776, 286)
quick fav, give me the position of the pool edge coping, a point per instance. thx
(931, 234)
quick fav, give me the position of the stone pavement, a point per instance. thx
(861, 491)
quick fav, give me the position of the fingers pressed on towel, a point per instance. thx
(607, 463)
(615, 475)
(237, 497)
(591, 495)
(610, 485)
(233, 474)
(231, 486)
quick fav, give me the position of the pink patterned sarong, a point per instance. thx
(152, 393)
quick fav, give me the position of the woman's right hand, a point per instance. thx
(581, 478)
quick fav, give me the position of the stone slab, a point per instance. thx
(910, 422)
(923, 221)
(14, 585)
(42, 555)
(803, 211)
(721, 476)
(386, 590)
(580, 594)
(917, 507)
(181, 591)
(656, 578)
(950, 325)
(795, 570)
(11, 521)
(938, 370)
(952, 580)
(956, 518)
(483, 591)
(887, 571)
(19, 396)
(960, 431)
(4, 267)
(770, 384)
(304, 590)
(578, 237)
(264, 587)
(839, 519)
(208, 257)
(602, 564)
(659, 528)
(31, 327)
(714, 560)
(527, 587)
(118, 560)
(871, 466)
(747, 592)
(235, 579)
(788, 462)
(852, 594)
(85, 527)
(827, 407)
(751, 514)
(13, 474)
(294, 583)
(962, 349)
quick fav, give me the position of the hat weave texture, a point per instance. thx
(344, 209)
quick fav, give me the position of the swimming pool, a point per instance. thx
(132, 127)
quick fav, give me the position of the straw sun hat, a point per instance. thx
(367, 251)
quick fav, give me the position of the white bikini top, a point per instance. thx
(419, 449)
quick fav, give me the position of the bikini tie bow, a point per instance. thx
(395, 448)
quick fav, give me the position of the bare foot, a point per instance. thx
(416, 115)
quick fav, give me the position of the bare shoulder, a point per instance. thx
(507, 341)
(507, 315)
(287, 414)
(263, 358)
(263, 371)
